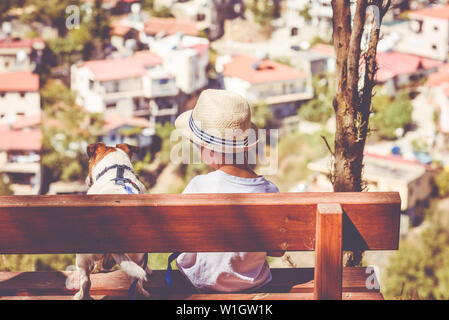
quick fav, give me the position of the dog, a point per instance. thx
(110, 172)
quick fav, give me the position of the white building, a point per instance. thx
(429, 33)
(411, 179)
(20, 148)
(19, 94)
(265, 81)
(439, 96)
(318, 11)
(17, 55)
(208, 14)
(134, 86)
(187, 57)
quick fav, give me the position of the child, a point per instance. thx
(218, 115)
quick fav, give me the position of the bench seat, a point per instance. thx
(63, 285)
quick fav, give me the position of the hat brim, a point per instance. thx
(182, 123)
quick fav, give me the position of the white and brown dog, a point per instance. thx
(110, 172)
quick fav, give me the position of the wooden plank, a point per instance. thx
(263, 296)
(296, 280)
(190, 222)
(328, 252)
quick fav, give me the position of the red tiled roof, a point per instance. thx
(394, 63)
(21, 140)
(23, 122)
(326, 49)
(122, 68)
(22, 43)
(147, 58)
(200, 47)
(115, 121)
(170, 26)
(440, 77)
(242, 67)
(119, 29)
(439, 12)
(19, 81)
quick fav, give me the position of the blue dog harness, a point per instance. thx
(120, 179)
(125, 183)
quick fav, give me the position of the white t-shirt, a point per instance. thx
(226, 271)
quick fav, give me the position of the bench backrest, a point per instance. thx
(325, 222)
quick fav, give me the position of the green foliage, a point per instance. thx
(66, 134)
(305, 13)
(419, 145)
(50, 12)
(163, 131)
(163, 12)
(56, 92)
(261, 115)
(5, 185)
(391, 113)
(263, 11)
(36, 262)
(420, 269)
(6, 5)
(295, 151)
(319, 109)
(442, 183)
(317, 39)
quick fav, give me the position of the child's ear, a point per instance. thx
(129, 149)
(92, 148)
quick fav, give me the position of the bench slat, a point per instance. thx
(232, 296)
(193, 222)
(116, 283)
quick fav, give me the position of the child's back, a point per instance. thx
(229, 271)
(220, 124)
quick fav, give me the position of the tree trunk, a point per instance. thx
(352, 101)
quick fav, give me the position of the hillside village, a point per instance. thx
(157, 57)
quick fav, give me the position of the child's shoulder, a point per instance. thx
(270, 186)
(199, 182)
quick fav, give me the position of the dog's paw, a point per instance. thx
(80, 296)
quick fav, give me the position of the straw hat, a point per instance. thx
(220, 121)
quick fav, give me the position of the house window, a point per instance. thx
(416, 26)
(434, 47)
(294, 31)
(163, 81)
(111, 105)
(22, 94)
(435, 28)
(200, 17)
(20, 114)
(91, 85)
(2, 94)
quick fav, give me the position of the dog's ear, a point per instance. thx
(92, 148)
(129, 149)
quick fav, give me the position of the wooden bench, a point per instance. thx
(326, 223)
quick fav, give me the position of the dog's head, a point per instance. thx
(97, 151)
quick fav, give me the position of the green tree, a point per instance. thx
(66, 131)
(420, 269)
(442, 183)
(50, 12)
(391, 113)
(261, 115)
(319, 109)
(262, 10)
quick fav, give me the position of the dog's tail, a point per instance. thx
(130, 267)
